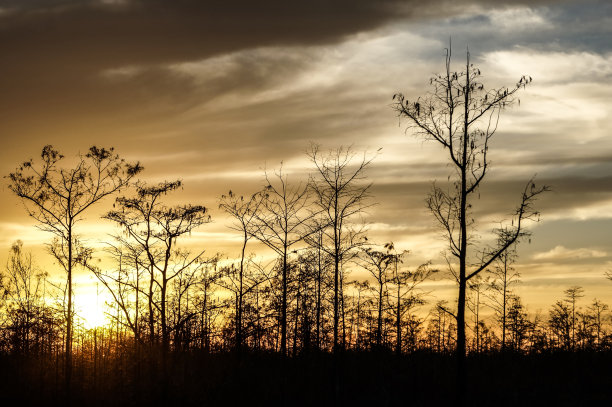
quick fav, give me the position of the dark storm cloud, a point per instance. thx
(59, 51)
(89, 35)
(55, 51)
(95, 35)
(565, 26)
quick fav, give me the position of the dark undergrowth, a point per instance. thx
(350, 379)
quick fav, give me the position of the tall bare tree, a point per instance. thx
(244, 213)
(57, 198)
(280, 224)
(462, 116)
(155, 229)
(572, 295)
(341, 192)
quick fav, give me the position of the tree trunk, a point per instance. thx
(297, 317)
(164, 326)
(505, 300)
(398, 325)
(336, 273)
(343, 315)
(460, 351)
(379, 320)
(151, 315)
(284, 304)
(68, 349)
(240, 295)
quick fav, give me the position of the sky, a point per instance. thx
(215, 92)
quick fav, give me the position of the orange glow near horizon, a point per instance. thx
(91, 309)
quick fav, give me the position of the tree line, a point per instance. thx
(216, 308)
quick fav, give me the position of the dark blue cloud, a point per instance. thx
(566, 26)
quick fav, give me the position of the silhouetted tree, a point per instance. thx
(182, 299)
(341, 193)
(518, 324)
(57, 199)
(539, 337)
(378, 264)
(155, 228)
(209, 307)
(358, 310)
(323, 262)
(462, 116)
(280, 224)
(503, 277)
(244, 214)
(560, 323)
(404, 295)
(23, 287)
(441, 332)
(241, 281)
(477, 287)
(304, 282)
(404, 285)
(597, 311)
(124, 282)
(395, 289)
(413, 339)
(571, 296)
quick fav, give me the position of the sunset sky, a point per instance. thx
(213, 92)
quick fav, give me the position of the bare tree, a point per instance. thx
(241, 282)
(560, 324)
(597, 310)
(361, 287)
(504, 276)
(208, 306)
(404, 285)
(461, 116)
(572, 295)
(124, 282)
(244, 212)
(323, 261)
(155, 229)
(477, 287)
(57, 199)
(441, 330)
(341, 193)
(518, 324)
(23, 286)
(280, 224)
(378, 263)
(182, 301)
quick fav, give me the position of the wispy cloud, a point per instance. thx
(562, 253)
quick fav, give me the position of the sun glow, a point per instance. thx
(91, 310)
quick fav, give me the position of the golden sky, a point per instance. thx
(213, 92)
